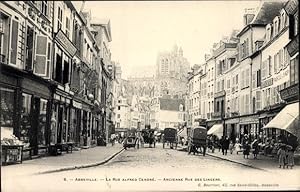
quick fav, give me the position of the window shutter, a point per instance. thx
(41, 55)
(14, 42)
(275, 63)
(258, 78)
(254, 80)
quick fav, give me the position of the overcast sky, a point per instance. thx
(141, 29)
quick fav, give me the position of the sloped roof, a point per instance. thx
(105, 23)
(268, 11)
(170, 104)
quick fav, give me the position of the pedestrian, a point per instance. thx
(281, 156)
(246, 150)
(222, 143)
(255, 148)
(226, 145)
(290, 157)
(231, 147)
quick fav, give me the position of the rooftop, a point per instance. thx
(170, 104)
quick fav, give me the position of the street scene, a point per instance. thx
(149, 96)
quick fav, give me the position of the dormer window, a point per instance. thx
(282, 19)
(268, 32)
(276, 26)
(44, 8)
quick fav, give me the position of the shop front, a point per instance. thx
(287, 120)
(61, 131)
(25, 109)
(232, 128)
(76, 122)
(249, 125)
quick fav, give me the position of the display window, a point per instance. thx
(42, 122)
(73, 124)
(7, 97)
(7, 107)
(26, 119)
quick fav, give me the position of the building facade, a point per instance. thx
(51, 91)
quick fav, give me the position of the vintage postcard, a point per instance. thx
(149, 95)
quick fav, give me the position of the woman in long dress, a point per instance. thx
(290, 157)
(281, 156)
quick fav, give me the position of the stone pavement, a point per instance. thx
(263, 162)
(67, 161)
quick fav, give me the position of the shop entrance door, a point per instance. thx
(59, 124)
(78, 125)
(34, 125)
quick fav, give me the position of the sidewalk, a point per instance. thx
(67, 161)
(263, 162)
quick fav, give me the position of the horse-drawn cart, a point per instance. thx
(197, 139)
(149, 137)
(170, 137)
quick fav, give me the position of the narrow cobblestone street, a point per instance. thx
(146, 168)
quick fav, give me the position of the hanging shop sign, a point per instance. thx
(267, 83)
(290, 92)
(293, 46)
(64, 41)
(291, 7)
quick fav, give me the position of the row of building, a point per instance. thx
(250, 77)
(157, 100)
(58, 80)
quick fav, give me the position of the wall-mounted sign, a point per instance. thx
(64, 41)
(77, 104)
(267, 83)
(281, 75)
(220, 94)
(249, 120)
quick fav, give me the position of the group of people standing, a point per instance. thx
(284, 145)
(285, 156)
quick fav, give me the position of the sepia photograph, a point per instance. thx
(199, 95)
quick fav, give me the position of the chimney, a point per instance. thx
(206, 56)
(249, 15)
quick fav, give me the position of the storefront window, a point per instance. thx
(53, 126)
(93, 128)
(65, 124)
(25, 119)
(72, 126)
(6, 112)
(42, 122)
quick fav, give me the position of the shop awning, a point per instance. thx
(216, 129)
(287, 119)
